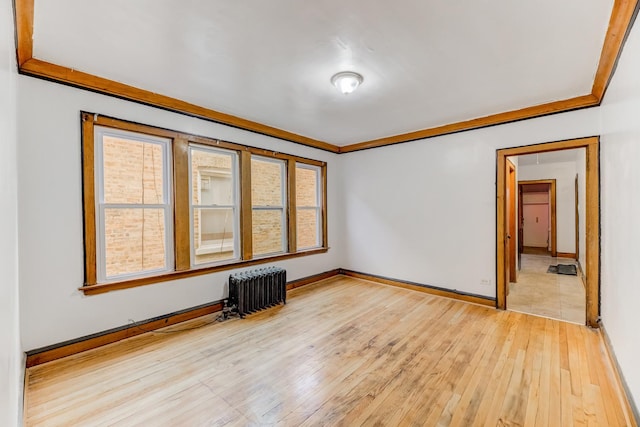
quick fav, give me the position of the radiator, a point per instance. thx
(254, 290)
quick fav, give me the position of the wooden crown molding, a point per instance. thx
(494, 119)
(57, 73)
(24, 31)
(622, 17)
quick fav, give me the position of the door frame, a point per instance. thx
(511, 215)
(577, 221)
(553, 219)
(592, 218)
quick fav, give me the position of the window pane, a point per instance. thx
(133, 171)
(213, 183)
(134, 241)
(267, 231)
(213, 235)
(266, 183)
(211, 178)
(307, 228)
(306, 187)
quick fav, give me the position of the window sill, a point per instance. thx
(175, 275)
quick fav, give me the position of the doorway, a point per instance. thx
(538, 217)
(591, 220)
(540, 290)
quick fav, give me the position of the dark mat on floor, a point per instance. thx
(568, 269)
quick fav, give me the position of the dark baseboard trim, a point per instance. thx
(566, 255)
(628, 402)
(88, 342)
(99, 339)
(311, 279)
(534, 250)
(434, 290)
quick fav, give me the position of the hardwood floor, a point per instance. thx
(341, 352)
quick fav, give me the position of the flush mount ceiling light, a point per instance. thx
(347, 81)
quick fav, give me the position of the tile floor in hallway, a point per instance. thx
(537, 292)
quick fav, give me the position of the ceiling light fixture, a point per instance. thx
(347, 81)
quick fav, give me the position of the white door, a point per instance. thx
(535, 213)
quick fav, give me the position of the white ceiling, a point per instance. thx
(561, 156)
(425, 62)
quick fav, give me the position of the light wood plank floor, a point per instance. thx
(341, 352)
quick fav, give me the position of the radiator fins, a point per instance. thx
(255, 290)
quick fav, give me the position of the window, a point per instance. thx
(163, 205)
(308, 206)
(214, 206)
(268, 199)
(133, 204)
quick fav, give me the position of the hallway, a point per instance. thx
(545, 294)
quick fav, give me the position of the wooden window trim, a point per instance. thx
(181, 224)
(292, 212)
(175, 275)
(246, 215)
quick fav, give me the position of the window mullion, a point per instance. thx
(291, 203)
(182, 240)
(246, 213)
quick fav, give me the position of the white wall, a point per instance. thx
(50, 208)
(565, 174)
(425, 211)
(11, 363)
(620, 209)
